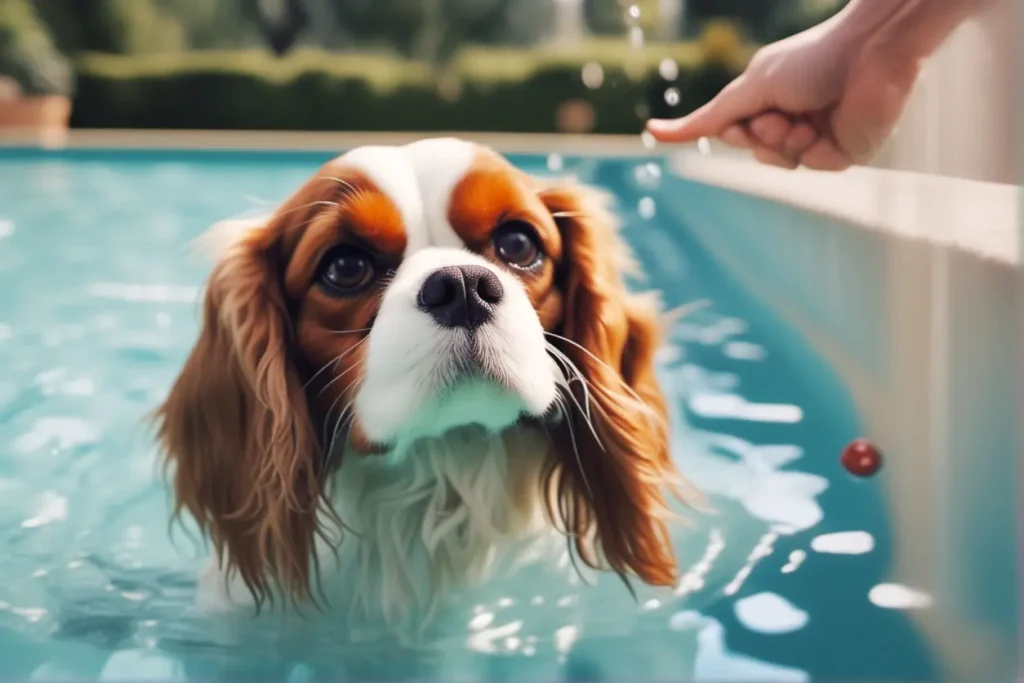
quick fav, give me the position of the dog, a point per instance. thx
(423, 367)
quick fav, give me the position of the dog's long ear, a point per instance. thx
(236, 426)
(611, 475)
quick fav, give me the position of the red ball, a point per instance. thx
(861, 458)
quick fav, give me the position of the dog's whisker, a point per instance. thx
(348, 413)
(362, 329)
(571, 368)
(591, 355)
(327, 418)
(651, 414)
(579, 458)
(337, 359)
(354, 366)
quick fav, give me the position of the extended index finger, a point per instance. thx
(739, 100)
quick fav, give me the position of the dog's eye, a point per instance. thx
(516, 244)
(346, 269)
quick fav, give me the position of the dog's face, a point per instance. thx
(401, 293)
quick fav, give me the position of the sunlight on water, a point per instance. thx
(94, 587)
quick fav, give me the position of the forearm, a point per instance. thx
(911, 29)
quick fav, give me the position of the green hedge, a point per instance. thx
(235, 95)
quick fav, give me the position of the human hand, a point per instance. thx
(825, 98)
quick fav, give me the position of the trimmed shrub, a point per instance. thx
(366, 93)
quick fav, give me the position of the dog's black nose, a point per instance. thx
(461, 296)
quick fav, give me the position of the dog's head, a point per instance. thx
(400, 293)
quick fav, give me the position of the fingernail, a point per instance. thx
(658, 124)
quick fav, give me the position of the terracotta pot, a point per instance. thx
(43, 116)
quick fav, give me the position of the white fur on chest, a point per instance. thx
(441, 515)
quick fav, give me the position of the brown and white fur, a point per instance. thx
(354, 438)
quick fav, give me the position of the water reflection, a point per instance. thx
(844, 543)
(83, 512)
(770, 613)
(895, 596)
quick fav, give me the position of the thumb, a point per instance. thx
(739, 100)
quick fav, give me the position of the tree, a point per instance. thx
(118, 26)
(757, 17)
(604, 17)
(27, 52)
(434, 30)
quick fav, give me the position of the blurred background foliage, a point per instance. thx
(503, 65)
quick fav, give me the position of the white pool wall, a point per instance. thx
(905, 277)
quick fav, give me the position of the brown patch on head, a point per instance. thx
(494, 194)
(331, 328)
(244, 425)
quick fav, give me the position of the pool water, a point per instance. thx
(98, 311)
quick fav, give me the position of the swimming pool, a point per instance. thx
(98, 312)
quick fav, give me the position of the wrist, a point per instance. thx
(904, 31)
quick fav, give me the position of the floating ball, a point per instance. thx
(861, 458)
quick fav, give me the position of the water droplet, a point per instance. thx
(643, 112)
(704, 146)
(668, 69)
(646, 208)
(647, 175)
(5, 332)
(593, 75)
(672, 96)
(634, 12)
(6, 228)
(636, 37)
(555, 162)
(648, 140)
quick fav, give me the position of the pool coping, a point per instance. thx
(977, 217)
(300, 141)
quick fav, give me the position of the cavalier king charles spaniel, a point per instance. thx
(422, 366)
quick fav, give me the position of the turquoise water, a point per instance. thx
(98, 311)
